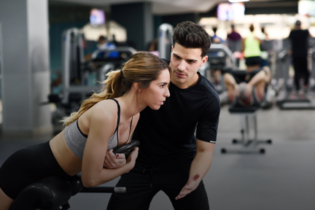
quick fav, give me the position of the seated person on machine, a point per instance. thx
(104, 122)
(247, 88)
(103, 45)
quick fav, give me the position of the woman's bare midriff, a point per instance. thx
(70, 163)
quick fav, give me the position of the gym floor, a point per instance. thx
(282, 178)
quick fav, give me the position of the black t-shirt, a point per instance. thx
(167, 136)
(299, 42)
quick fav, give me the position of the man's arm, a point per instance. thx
(206, 135)
(203, 159)
(199, 167)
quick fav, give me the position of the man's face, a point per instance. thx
(185, 63)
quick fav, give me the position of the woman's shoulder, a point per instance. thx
(104, 110)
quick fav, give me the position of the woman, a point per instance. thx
(251, 49)
(99, 126)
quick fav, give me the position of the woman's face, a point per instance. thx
(155, 95)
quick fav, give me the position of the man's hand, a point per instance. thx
(191, 185)
(114, 161)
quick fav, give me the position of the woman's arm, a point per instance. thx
(102, 127)
(112, 161)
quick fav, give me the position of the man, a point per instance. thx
(234, 42)
(216, 39)
(264, 53)
(100, 52)
(170, 157)
(299, 44)
(247, 88)
(102, 46)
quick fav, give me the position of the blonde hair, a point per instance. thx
(142, 67)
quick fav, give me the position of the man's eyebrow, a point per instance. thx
(176, 55)
(190, 60)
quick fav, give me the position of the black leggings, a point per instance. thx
(300, 70)
(27, 166)
(142, 185)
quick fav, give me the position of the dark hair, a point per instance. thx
(251, 27)
(233, 26)
(214, 29)
(102, 38)
(191, 35)
(298, 23)
(142, 67)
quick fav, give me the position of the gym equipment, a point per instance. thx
(246, 114)
(76, 72)
(53, 193)
(165, 40)
(219, 57)
(126, 149)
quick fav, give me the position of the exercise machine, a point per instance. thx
(76, 72)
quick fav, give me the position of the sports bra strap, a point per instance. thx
(130, 125)
(118, 118)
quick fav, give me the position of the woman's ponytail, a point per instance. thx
(112, 89)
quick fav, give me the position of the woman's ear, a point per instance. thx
(137, 86)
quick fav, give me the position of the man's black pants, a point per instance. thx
(300, 70)
(142, 185)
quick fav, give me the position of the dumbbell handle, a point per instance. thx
(104, 190)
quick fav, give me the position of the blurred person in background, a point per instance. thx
(251, 48)
(264, 52)
(216, 39)
(299, 50)
(234, 42)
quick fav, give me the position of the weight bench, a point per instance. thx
(249, 144)
(53, 193)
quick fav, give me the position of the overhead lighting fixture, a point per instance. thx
(235, 1)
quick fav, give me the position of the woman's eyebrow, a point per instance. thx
(164, 83)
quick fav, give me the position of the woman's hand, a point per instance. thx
(114, 161)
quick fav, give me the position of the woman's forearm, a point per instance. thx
(107, 174)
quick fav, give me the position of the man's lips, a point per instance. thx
(180, 74)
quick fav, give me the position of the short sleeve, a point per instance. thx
(208, 124)
(290, 35)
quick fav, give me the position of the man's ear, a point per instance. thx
(204, 59)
